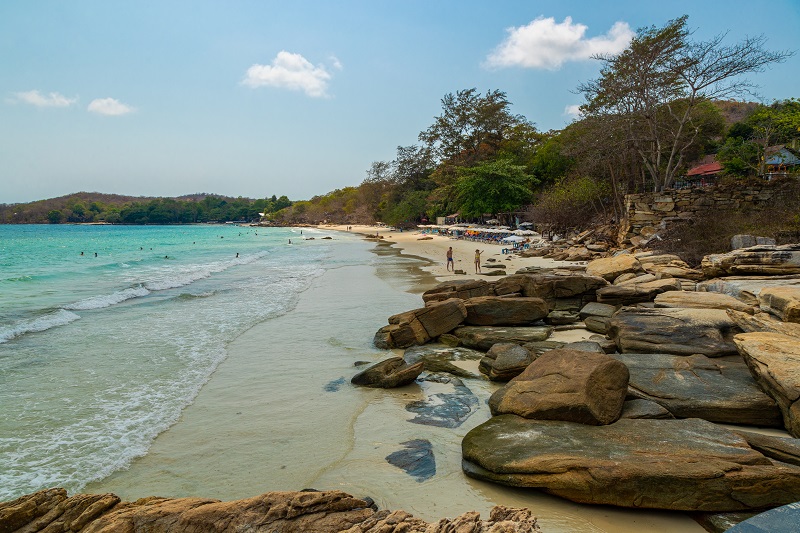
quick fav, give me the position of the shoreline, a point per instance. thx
(434, 247)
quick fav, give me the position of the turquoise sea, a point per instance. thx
(108, 332)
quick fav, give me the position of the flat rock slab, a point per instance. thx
(746, 288)
(445, 409)
(463, 289)
(784, 449)
(718, 390)
(687, 465)
(701, 300)
(764, 259)
(631, 293)
(644, 409)
(784, 519)
(774, 361)
(484, 337)
(416, 459)
(674, 331)
(763, 322)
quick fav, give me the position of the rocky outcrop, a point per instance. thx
(463, 289)
(746, 288)
(609, 268)
(764, 259)
(632, 293)
(701, 300)
(497, 311)
(674, 331)
(576, 386)
(774, 361)
(783, 302)
(484, 337)
(686, 464)
(718, 390)
(505, 361)
(288, 512)
(746, 241)
(421, 325)
(388, 374)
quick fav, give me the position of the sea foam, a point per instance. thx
(42, 323)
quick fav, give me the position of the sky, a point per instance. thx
(255, 98)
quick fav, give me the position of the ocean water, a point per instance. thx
(108, 332)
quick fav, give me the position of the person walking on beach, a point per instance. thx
(478, 261)
(450, 264)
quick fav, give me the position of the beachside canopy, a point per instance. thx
(513, 238)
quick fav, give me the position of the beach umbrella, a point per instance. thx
(493, 221)
(513, 238)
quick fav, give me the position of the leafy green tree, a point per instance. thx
(654, 87)
(54, 216)
(492, 187)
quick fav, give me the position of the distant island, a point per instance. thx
(93, 207)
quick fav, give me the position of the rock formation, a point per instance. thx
(52, 511)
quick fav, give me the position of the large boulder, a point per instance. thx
(484, 337)
(764, 259)
(718, 390)
(388, 374)
(571, 385)
(497, 311)
(288, 512)
(504, 361)
(763, 322)
(783, 302)
(746, 288)
(673, 331)
(609, 268)
(687, 465)
(463, 289)
(774, 360)
(549, 286)
(631, 293)
(421, 325)
(701, 300)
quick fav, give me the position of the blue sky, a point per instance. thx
(255, 98)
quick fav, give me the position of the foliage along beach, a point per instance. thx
(634, 361)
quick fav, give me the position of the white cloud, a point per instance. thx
(573, 111)
(291, 71)
(109, 106)
(39, 100)
(544, 43)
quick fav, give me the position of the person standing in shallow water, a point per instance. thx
(450, 264)
(478, 261)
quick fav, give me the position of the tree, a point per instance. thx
(54, 216)
(492, 187)
(470, 129)
(655, 86)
